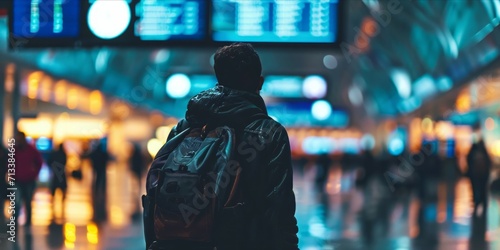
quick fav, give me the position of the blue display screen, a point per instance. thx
(301, 21)
(170, 20)
(46, 18)
(300, 114)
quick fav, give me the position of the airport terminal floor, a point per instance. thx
(359, 85)
(327, 220)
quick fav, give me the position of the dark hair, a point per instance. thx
(238, 66)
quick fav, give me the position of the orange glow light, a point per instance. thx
(69, 235)
(72, 101)
(95, 102)
(370, 27)
(427, 125)
(45, 88)
(60, 92)
(33, 81)
(463, 103)
(495, 149)
(117, 216)
(92, 233)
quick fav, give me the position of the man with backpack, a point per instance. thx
(223, 180)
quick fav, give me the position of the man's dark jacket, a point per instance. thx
(263, 151)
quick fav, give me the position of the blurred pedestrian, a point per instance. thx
(99, 156)
(137, 162)
(377, 202)
(322, 171)
(28, 165)
(479, 166)
(429, 175)
(57, 162)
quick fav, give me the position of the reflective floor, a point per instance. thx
(326, 221)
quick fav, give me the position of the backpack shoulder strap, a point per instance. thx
(182, 125)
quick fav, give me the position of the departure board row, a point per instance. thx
(311, 21)
(40, 23)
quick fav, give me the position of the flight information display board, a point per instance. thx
(45, 18)
(144, 23)
(87, 23)
(166, 20)
(275, 21)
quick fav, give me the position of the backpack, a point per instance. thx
(193, 177)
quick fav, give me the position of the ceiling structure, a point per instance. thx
(395, 55)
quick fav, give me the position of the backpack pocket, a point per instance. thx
(184, 208)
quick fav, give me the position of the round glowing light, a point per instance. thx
(330, 62)
(396, 146)
(321, 110)
(489, 123)
(402, 82)
(101, 61)
(463, 103)
(43, 143)
(495, 149)
(367, 142)
(178, 86)
(163, 132)
(44, 174)
(318, 145)
(355, 95)
(161, 56)
(314, 87)
(154, 146)
(109, 19)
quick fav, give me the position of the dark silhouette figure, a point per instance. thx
(99, 157)
(479, 166)
(429, 175)
(28, 165)
(367, 168)
(266, 218)
(57, 162)
(322, 170)
(137, 163)
(377, 198)
(55, 237)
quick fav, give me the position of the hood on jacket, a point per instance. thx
(223, 104)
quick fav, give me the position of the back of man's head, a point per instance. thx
(238, 66)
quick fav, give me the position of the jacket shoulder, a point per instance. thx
(267, 127)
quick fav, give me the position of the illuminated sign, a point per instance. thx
(294, 21)
(88, 23)
(46, 18)
(166, 20)
(305, 113)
